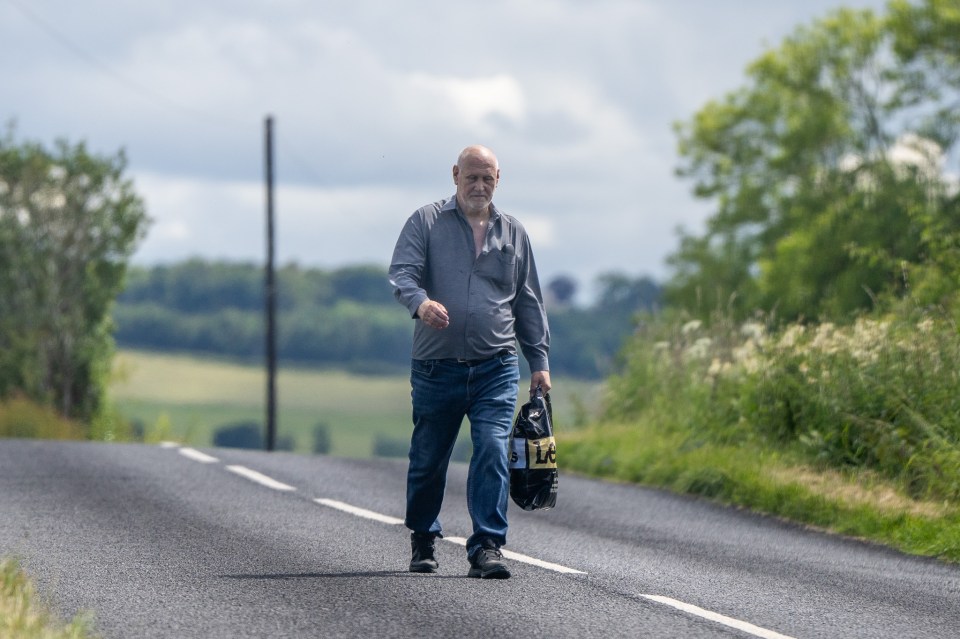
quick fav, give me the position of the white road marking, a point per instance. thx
(196, 455)
(260, 478)
(359, 512)
(509, 554)
(386, 519)
(269, 482)
(743, 626)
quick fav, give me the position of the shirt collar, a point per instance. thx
(451, 205)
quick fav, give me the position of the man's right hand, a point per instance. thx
(433, 314)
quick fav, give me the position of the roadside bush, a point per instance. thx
(882, 395)
(20, 417)
(249, 435)
(462, 449)
(386, 446)
(321, 438)
(239, 435)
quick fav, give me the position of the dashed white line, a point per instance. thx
(743, 626)
(269, 482)
(359, 512)
(386, 519)
(509, 554)
(259, 478)
(196, 455)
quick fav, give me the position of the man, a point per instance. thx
(465, 271)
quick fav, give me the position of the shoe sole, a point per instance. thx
(423, 567)
(500, 572)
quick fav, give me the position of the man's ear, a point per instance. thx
(456, 173)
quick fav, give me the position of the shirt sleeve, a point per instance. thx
(408, 264)
(532, 329)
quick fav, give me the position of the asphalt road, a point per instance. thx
(165, 542)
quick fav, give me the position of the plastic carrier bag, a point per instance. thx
(533, 455)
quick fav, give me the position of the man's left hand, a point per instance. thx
(541, 379)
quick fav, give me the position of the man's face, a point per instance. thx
(476, 177)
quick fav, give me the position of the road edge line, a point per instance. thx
(730, 622)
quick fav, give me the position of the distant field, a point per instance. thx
(198, 396)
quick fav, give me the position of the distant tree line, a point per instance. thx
(346, 317)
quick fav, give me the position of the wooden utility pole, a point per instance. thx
(271, 296)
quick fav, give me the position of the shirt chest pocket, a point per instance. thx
(499, 269)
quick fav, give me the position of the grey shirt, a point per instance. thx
(493, 300)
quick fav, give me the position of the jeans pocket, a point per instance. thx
(509, 359)
(422, 368)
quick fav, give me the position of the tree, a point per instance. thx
(362, 284)
(562, 288)
(69, 222)
(926, 40)
(620, 294)
(585, 341)
(820, 172)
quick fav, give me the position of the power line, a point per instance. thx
(152, 96)
(158, 99)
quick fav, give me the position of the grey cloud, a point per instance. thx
(183, 87)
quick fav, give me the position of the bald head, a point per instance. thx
(478, 153)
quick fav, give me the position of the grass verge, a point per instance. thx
(24, 617)
(857, 504)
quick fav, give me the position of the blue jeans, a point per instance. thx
(444, 392)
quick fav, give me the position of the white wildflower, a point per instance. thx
(745, 351)
(700, 349)
(825, 340)
(716, 366)
(754, 331)
(691, 327)
(791, 336)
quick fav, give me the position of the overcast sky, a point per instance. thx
(372, 102)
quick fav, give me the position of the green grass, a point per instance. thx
(856, 503)
(24, 617)
(188, 398)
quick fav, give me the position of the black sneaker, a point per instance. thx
(423, 549)
(487, 563)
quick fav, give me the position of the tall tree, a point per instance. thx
(820, 178)
(926, 39)
(69, 222)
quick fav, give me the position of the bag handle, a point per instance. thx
(539, 394)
